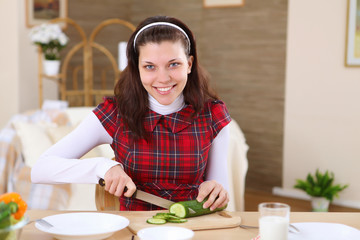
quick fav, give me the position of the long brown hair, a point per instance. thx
(132, 98)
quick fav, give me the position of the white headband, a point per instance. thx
(161, 23)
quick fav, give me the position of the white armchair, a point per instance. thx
(237, 167)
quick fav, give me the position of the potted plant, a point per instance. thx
(51, 39)
(321, 188)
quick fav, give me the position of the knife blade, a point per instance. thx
(147, 197)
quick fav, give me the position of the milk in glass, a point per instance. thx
(273, 228)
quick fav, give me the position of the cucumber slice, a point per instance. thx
(179, 220)
(181, 209)
(173, 217)
(156, 221)
(160, 217)
(166, 214)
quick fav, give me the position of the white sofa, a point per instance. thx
(24, 139)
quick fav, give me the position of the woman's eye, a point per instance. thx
(149, 67)
(174, 64)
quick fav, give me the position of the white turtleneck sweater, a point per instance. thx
(61, 163)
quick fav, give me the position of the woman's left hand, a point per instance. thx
(216, 193)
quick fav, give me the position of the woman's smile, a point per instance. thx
(165, 90)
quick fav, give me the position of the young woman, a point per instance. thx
(167, 128)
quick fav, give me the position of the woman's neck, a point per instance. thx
(175, 106)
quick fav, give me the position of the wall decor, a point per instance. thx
(352, 50)
(42, 11)
(223, 3)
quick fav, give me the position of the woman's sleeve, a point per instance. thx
(217, 167)
(61, 163)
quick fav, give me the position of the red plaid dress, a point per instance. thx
(172, 165)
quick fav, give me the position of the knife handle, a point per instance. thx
(102, 183)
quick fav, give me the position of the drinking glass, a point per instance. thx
(274, 221)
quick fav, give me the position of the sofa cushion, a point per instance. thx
(34, 140)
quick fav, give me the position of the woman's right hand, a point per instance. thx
(116, 180)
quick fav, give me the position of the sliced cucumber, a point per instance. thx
(191, 208)
(179, 220)
(179, 209)
(156, 221)
(165, 214)
(160, 217)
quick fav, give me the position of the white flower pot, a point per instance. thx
(51, 67)
(320, 204)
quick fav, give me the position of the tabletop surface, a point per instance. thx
(247, 218)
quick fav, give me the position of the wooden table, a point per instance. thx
(248, 218)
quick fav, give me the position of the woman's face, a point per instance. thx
(164, 68)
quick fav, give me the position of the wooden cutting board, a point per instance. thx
(215, 220)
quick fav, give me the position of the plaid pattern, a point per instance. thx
(172, 165)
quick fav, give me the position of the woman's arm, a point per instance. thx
(217, 168)
(61, 163)
(217, 183)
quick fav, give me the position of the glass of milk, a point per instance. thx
(274, 221)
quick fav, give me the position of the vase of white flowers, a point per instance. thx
(51, 39)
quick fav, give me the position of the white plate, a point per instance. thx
(83, 225)
(328, 231)
(165, 233)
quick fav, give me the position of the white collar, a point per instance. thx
(175, 106)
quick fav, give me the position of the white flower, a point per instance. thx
(63, 39)
(51, 39)
(45, 33)
(43, 38)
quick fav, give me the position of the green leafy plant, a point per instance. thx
(320, 185)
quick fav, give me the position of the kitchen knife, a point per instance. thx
(147, 197)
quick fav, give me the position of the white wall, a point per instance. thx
(9, 60)
(322, 102)
(18, 64)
